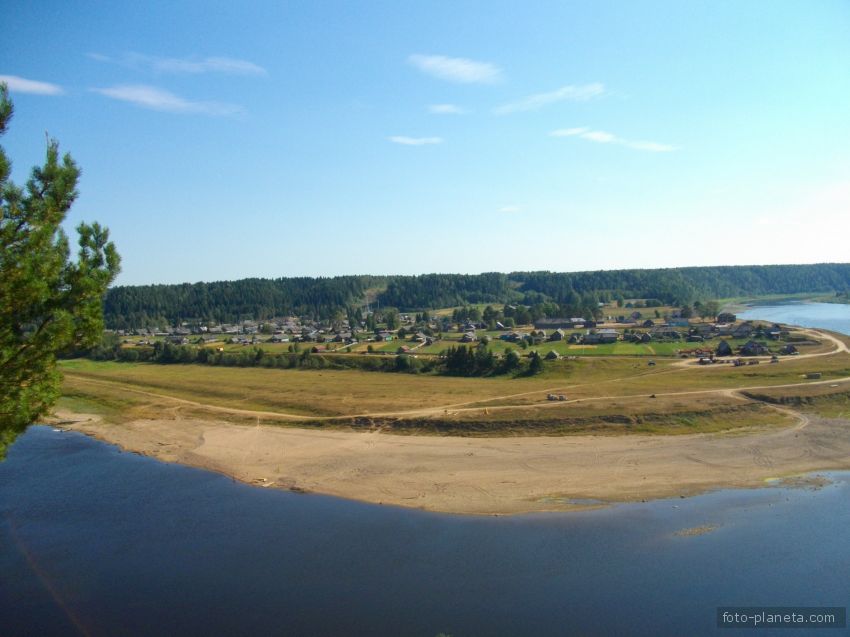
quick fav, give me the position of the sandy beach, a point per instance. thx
(483, 475)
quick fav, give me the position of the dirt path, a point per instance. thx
(731, 392)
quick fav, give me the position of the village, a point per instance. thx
(668, 334)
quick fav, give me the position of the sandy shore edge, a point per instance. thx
(482, 476)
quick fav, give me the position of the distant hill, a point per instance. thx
(324, 297)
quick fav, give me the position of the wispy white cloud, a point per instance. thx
(604, 137)
(161, 100)
(460, 70)
(415, 141)
(571, 93)
(23, 85)
(446, 109)
(600, 136)
(192, 65)
(509, 209)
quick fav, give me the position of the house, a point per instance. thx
(383, 335)
(602, 336)
(609, 335)
(774, 333)
(744, 330)
(646, 337)
(753, 348)
(726, 317)
(552, 355)
(788, 350)
(469, 337)
(648, 323)
(706, 331)
(723, 349)
(558, 335)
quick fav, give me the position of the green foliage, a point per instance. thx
(48, 302)
(531, 295)
(535, 363)
(709, 309)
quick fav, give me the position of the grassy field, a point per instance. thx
(620, 393)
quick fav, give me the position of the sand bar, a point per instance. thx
(505, 475)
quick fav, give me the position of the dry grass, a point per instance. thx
(604, 395)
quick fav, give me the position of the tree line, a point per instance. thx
(575, 293)
(455, 361)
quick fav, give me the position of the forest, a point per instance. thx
(575, 292)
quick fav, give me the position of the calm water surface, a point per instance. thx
(830, 316)
(100, 542)
(94, 541)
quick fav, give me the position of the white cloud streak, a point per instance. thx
(571, 93)
(33, 87)
(158, 99)
(415, 141)
(446, 109)
(603, 137)
(461, 70)
(224, 65)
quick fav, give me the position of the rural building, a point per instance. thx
(744, 330)
(724, 349)
(602, 336)
(553, 323)
(558, 335)
(752, 348)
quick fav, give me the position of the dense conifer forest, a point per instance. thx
(323, 298)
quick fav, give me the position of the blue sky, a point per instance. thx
(220, 141)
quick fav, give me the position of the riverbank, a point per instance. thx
(483, 475)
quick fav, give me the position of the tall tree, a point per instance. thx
(48, 302)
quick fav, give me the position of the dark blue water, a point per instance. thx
(830, 316)
(100, 542)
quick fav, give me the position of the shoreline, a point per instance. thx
(483, 476)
